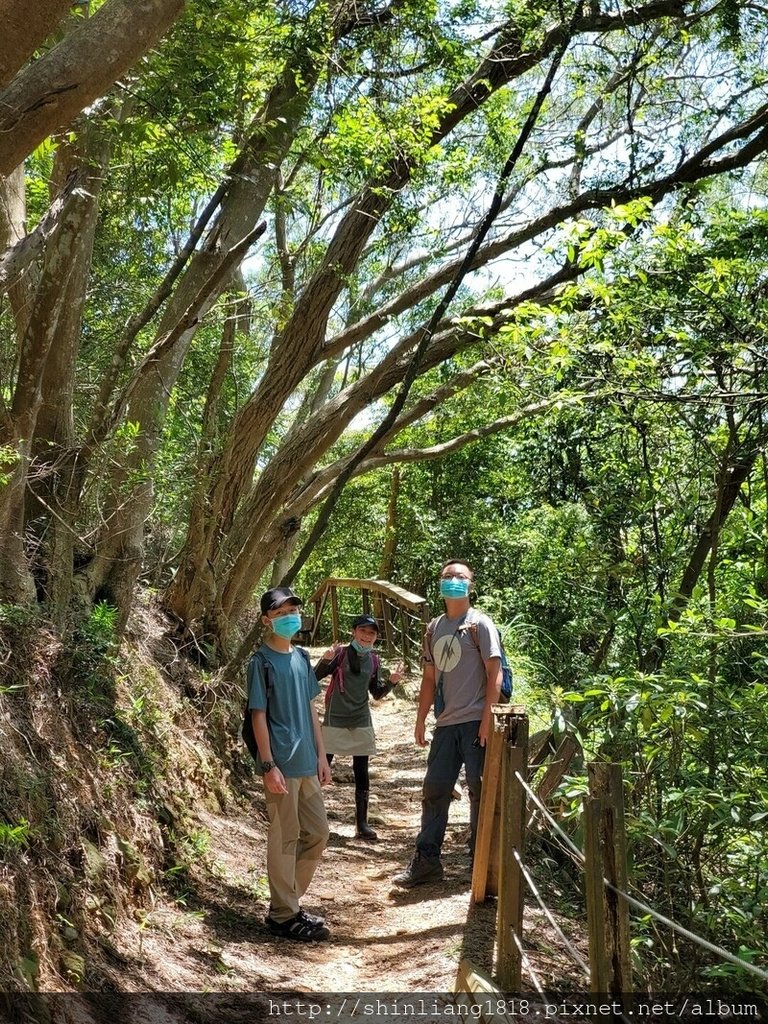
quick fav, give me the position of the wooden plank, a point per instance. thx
(488, 824)
(473, 988)
(406, 648)
(557, 768)
(319, 603)
(335, 612)
(540, 746)
(389, 636)
(593, 879)
(399, 595)
(509, 967)
(605, 785)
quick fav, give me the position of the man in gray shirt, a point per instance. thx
(461, 677)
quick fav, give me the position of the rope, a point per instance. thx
(532, 885)
(567, 839)
(638, 904)
(528, 965)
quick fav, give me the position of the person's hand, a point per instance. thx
(397, 673)
(420, 733)
(323, 770)
(330, 654)
(274, 781)
(483, 731)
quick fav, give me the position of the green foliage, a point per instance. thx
(630, 395)
(9, 456)
(14, 836)
(184, 851)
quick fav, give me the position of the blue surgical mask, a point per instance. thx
(454, 587)
(286, 625)
(362, 648)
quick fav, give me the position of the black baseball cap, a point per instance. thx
(276, 598)
(365, 620)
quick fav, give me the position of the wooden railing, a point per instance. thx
(402, 615)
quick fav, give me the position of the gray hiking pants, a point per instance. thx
(452, 746)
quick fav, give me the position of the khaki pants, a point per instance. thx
(298, 833)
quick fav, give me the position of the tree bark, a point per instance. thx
(46, 96)
(53, 500)
(730, 484)
(26, 26)
(16, 248)
(387, 563)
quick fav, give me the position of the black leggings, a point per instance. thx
(360, 768)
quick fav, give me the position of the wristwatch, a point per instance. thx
(267, 766)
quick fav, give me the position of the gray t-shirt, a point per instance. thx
(460, 660)
(289, 716)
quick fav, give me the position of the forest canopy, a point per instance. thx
(224, 258)
(217, 275)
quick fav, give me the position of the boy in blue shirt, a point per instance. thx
(281, 688)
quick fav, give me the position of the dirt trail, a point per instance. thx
(383, 939)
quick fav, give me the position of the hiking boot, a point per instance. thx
(298, 928)
(362, 829)
(312, 918)
(419, 871)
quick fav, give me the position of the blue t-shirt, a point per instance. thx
(289, 716)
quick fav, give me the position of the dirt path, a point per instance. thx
(383, 939)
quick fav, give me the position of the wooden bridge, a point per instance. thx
(402, 615)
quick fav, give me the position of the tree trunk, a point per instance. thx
(209, 444)
(16, 583)
(20, 423)
(26, 26)
(46, 96)
(13, 229)
(390, 533)
(269, 142)
(53, 501)
(731, 483)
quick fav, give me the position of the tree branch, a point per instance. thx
(47, 95)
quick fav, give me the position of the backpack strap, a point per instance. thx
(249, 737)
(337, 674)
(431, 627)
(471, 628)
(506, 671)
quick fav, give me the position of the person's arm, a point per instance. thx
(324, 667)
(323, 768)
(426, 700)
(492, 695)
(274, 780)
(384, 680)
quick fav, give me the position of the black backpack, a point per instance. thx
(246, 730)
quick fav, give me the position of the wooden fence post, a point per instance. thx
(605, 852)
(335, 612)
(484, 878)
(389, 638)
(406, 645)
(513, 825)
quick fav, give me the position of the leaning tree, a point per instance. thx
(241, 246)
